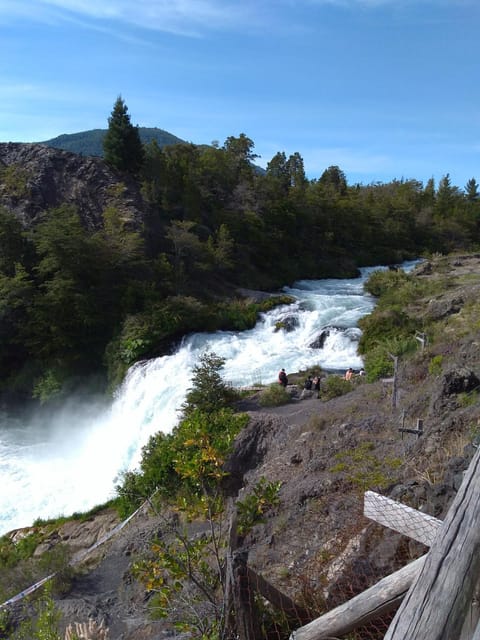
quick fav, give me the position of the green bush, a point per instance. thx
(435, 365)
(252, 508)
(378, 364)
(48, 386)
(335, 386)
(378, 361)
(381, 326)
(208, 393)
(12, 553)
(380, 282)
(274, 396)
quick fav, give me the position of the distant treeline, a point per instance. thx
(75, 302)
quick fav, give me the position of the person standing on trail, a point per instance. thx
(282, 378)
(316, 385)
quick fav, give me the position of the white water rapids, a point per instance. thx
(70, 461)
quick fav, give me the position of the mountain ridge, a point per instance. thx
(90, 142)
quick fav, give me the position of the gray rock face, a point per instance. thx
(35, 178)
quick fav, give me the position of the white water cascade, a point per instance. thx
(70, 461)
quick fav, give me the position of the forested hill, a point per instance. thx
(90, 143)
(104, 263)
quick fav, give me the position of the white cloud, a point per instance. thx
(187, 17)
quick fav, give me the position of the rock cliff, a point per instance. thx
(35, 178)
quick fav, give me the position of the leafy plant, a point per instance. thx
(335, 386)
(44, 625)
(435, 365)
(274, 396)
(252, 508)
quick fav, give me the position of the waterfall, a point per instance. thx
(70, 461)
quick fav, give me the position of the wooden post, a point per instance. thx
(418, 431)
(279, 600)
(439, 602)
(239, 605)
(246, 620)
(422, 338)
(395, 380)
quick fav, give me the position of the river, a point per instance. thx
(70, 460)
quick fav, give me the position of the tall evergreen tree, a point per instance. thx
(471, 190)
(122, 147)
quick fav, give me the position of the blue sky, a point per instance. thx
(383, 88)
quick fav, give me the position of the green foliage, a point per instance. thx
(14, 180)
(383, 326)
(363, 469)
(335, 386)
(378, 364)
(122, 146)
(47, 386)
(380, 282)
(11, 553)
(208, 393)
(274, 396)
(188, 462)
(468, 399)
(12, 242)
(45, 623)
(435, 365)
(252, 508)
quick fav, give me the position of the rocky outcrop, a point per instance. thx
(35, 178)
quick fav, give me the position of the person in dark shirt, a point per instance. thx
(282, 378)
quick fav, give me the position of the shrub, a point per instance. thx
(378, 364)
(12, 553)
(334, 387)
(435, 365)
(251, 509)
(381, 282)
(380, 326)
(208, 393)
(274, 396)
(378, 361)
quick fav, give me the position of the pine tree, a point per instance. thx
(122, 147)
